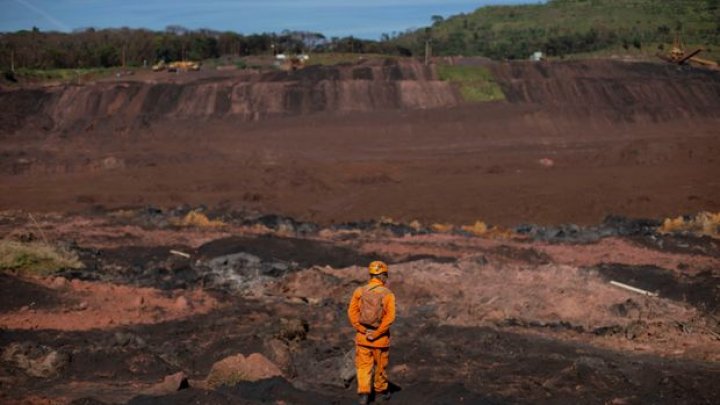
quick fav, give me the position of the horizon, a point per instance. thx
(336, 18)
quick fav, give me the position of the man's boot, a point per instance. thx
(363, 399)
(384, 396)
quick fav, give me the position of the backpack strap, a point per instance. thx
(368, 288)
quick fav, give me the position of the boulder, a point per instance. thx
(234, 369)
(170, 384)
(279, 352)
(293, 330)
(59, 283)
(36, 360)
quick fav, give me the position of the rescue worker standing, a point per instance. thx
(371, 312)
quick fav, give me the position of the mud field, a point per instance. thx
(573, 143)
(217, 225)
(526, 316)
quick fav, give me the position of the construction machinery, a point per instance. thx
(179, 66)
(679, 56)
(291, 62)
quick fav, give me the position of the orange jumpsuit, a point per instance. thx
(377, 351)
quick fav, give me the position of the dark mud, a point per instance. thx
(611, 226)
(137, 265)
(679, 243)
(531, 370)
(702, 290)
(264, 391)
(17, 294)
(304, 252)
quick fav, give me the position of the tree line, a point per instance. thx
(565, 27)
(92, 48)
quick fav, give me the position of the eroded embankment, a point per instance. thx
(626, 92)
(251, 96)
(604, 91)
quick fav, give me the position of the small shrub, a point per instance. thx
(704, 223)
(198, 219)
(476, 84)
(36, 258)
(442, 228)
(480, 228)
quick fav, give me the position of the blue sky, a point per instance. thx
(362, 18)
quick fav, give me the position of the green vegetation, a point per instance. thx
(564, 27)
(476, 83)
(61, 74)
(341, 57)
(35, 258)
(558, 28)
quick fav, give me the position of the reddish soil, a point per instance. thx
(86, 305)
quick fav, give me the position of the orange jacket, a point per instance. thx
(382, 334)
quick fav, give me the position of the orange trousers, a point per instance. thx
(365, 359)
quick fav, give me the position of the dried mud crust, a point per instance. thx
(19, 294)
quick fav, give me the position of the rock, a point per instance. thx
(170, 384)
(182, 304)
(138, 302)
(546, 162)
(293, 329)
(279, 352)
(635, 330)
(347, 369)
(82, 306)
(59, 283)
(628, 309)
(123, 339)
(399, 369)
(36, 360)
(234, 369)
(112, 163)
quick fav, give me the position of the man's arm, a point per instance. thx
(354, 312)
(388, 316)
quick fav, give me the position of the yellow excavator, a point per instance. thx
(679, 56)
(183, 66)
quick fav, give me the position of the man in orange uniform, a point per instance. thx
(371, 312)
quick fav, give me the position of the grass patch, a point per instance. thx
(35, 258)
(476, 83)
(198, 220)
(704, 223)
(61, 74)
(332, 58)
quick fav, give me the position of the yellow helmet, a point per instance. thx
(377, 267)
